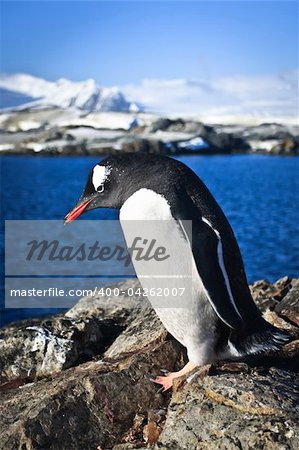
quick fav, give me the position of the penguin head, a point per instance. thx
(109, 184)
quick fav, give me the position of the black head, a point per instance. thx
(117, 177)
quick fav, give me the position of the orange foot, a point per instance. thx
(167, 381)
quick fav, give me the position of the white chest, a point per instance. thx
(173, 286)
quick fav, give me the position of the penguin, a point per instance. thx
(217, 319)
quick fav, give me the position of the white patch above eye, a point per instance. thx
(99, 176)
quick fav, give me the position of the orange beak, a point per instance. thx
(76, 212)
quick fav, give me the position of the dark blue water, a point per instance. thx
(259, 195)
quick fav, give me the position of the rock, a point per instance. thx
(32, 351)
(162, 124)
(54, 134)
(152, 430)
(267, 295)
(136, 431)
(38, 348)
(121, 308)
(268, 132)
(145, 330)
(80, 380)
(217, 141)
(84, 407)
(288, 307)
(281, 297)
(177, 125)
(277, 321)
(144, 146)
(226, 143)
(287, 147)
(233, 411)
(136, 131)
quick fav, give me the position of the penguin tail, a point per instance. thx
(250, 342)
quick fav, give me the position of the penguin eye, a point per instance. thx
(100, 188)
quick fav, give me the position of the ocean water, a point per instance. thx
(259, 195)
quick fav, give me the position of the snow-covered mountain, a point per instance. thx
(234, 99)
(84, 95)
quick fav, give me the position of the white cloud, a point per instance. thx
(267, 96)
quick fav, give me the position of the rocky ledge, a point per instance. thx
(49, 132)
(80, 381)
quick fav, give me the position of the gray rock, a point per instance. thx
(118, 308)
(233, 411)
(287, 147)
(57, 133)
(177, 125)
(34, 350)
(145, 330)
(226, 143)
(288, 308)
(144, 145)
(80, 381)
(267, 295)
(84, 407)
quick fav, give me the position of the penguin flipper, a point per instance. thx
(207, 254)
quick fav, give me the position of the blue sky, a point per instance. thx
(125, 42)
